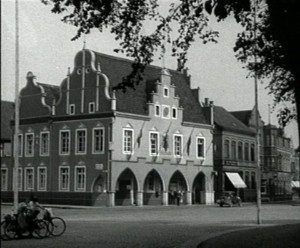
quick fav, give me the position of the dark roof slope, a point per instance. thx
(7, 113)
(228, 122)
(51, 92)
(135, 101)
(243, 116)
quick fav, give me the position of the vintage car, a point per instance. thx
(229, 198)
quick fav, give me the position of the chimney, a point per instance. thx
(211, 104)
(206, 102)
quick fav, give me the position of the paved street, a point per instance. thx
(172, 226)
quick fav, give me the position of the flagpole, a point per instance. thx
(16, 139)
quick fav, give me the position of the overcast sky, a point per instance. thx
(46, 49)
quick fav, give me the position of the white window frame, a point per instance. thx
(197, 147)
(39, 186)
(174, 145)
(26, 188)
(168, 92)
(26, 145)
(92, 105)
(163, 107)
(157, 144)
(132, 141)
(94, 141)
(77, 152)
(72, 109)
(176, 113)
(159, 110)
(20, 143)
(20, 179)
(76, 188)
(67, 189)
(43, 153)
(60, 142)
(4, 180)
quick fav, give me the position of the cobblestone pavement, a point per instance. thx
(154, 226)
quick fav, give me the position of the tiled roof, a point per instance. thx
(7, 113)
(51, 91)
(227, 121)
(243, 116)
(135, 101)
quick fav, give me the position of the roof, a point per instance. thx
(135, 100)
(52, 93)
(227, 121)
(7, 113)
(243, 116)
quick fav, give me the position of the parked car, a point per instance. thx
(229, 198)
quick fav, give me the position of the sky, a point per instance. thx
(46, 49)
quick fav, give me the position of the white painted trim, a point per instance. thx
(204, 147)
(22, 145)
(6, 179)
(176, 109)
(26, 145)
(75, 178)
(39, 177)
(25, 176)
(157, 148)
(181, 136)
(93, 140)
(76, 141)
(123, 143)
(72, 106)
(94, 107)
(20, 172)
(60, 178)
(48, 149)
(159, 114)
(60, 143)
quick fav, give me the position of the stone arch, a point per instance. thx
(126, 188)
(177, 182)
(99, 189)
(198, 188)
(153, 188)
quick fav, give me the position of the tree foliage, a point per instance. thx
(268, 35)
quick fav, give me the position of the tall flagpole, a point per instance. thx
(16, 139)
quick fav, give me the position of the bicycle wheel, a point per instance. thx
(40, 229)
(57, 226)
(3, 226)
(10, 230)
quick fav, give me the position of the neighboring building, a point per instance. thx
(234, 155)
(84, 143)
(295, 168)
(7, 112)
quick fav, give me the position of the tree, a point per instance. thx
(270, 34)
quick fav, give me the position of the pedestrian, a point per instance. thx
(178, 197)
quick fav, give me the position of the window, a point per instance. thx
(178, 145)
(127, 141)
(29, 179)
(72, 109)
(80, 178)
(157, 110)
(64, 178)
(4, 178)
(80, 141)
(166, 112)
(246, 152)
(240, 151)
(44, 143)
(166, 92)
(174, 113)
(29, 145)
(98, 140)
(233, 150)
(20, 179)
(252, 152)
(154, 143)
(253, 180)
(91, 107)
(42, 178)
(20, 143)
(226, 149)
(64, 144)
(200, 147)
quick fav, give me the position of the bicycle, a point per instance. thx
(56, 225)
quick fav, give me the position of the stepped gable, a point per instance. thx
(52, 93)
(135, 101)
(7, 114)
(243, 116)
(227, 121)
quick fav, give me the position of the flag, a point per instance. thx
(139, 138)
(188, 145)
(165, 142)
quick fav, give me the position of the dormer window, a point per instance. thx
(157, 110)
(166, 92)
(91, 107)
(72, 109)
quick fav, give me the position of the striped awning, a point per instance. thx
(236, 180)
(295, 184)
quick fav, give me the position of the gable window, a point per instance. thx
(200, 147)
(20, 145)
(64, 178)
(29, 179)
(98, 140)
(29, 145)
(42, 178)
(157, 110)
(20, 179)
(174, 113)
(127, 141)
(80, 177)
(4, 179)
(154, 141)
(44, 143)
(246, 152)
(166, 92)
(178, 145)
(64, 144)
(72, 109)
(91, 107)
(252, 152)
(226, 149)
(233, 150)
(240, 150)
(80, 141)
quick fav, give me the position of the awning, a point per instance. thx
(295, 184)
(236, 180)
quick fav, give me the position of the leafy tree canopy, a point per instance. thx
(270, 36)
